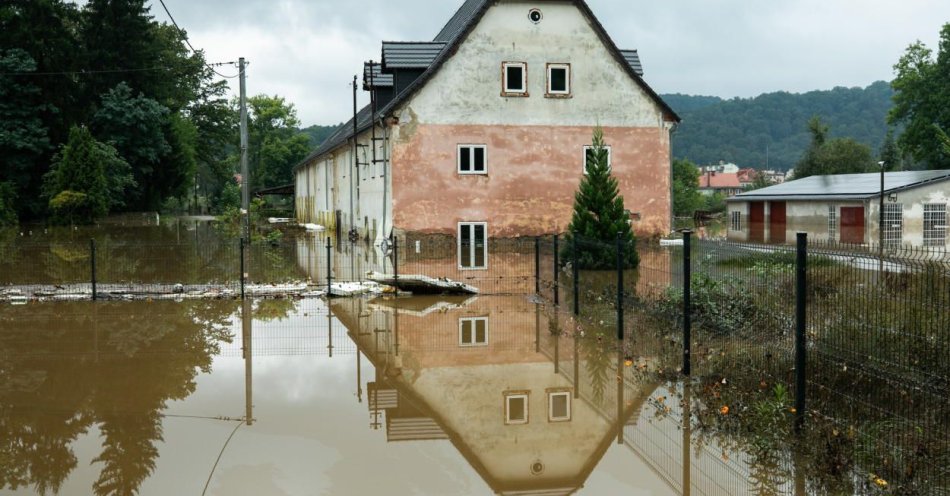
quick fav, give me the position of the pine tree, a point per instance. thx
(599, 218)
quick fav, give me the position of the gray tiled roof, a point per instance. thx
(844, 186)
(379, 79)
(462, 18)
(633, 60)
(410, 54)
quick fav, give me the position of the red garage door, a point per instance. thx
(852, 225)
(777, 222)
(757, 222)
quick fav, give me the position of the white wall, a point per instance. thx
(327, 184)
(467, 88)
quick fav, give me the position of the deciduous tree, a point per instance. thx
(276, 144)
(832, 156)
(686, 196)
(922, 101)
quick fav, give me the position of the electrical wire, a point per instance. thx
(83, 72)
(185, 36)
(211, 474)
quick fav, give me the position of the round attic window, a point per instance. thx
(535, 16)
(537, 468)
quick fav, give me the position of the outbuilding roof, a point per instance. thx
(719, 180)
(844, 186)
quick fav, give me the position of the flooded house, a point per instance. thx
(846, 208)
(485, 131)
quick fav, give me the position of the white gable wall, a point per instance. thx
(467, 88)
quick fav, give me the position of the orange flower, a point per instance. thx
(724, 410)
(628, 362)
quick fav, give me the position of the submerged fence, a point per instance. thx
(822, 357)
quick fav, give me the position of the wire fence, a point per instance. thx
(836, 367)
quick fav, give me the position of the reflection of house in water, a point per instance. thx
(488, 374)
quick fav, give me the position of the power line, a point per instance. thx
(185, 36)
(84, 72)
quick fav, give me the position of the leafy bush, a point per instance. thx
(73, 207)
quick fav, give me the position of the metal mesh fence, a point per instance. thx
(876, 343)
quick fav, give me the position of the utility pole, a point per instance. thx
(245, 174)
(356, 166)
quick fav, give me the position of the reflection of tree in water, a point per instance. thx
(70, 365)
(274, 309)
(128, 453)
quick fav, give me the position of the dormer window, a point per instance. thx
(514, 77)
(559, 80)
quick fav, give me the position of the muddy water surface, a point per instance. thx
(404, 397)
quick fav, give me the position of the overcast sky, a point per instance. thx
(308, 50)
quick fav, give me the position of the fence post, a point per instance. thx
(687, 306)
(557, 299)
(574, 274)
(329, 266)
(242, 267)
(396, 262)
(801, 282)
(92, 256)
(620, 286)
(537, 265)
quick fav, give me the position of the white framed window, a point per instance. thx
(735, 219)
(473, 331)
(516, 407)
(832, 223)
(472, 159)
(514, 79)
(473, 245)
(893, 224)
(589, 155)
(935, 224)
(559, 80)
(559, 406)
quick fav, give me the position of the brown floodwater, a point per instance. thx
(163, 398)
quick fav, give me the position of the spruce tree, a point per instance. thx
(599, 216)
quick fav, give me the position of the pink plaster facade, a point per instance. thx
(532, 175)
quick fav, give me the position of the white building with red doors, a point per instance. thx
(845, 208)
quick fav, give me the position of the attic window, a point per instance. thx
(514, 77)
(559, 80)
(535, 16)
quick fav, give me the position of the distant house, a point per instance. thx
(484, 131)
(845, 208)
(721, 167)
(748, 176)
(726, 183)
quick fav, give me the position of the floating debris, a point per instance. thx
(420, 284)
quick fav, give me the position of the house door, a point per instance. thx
(852, 225)
(757, 222)
(777, 222)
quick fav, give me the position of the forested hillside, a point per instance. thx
(772, 129)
